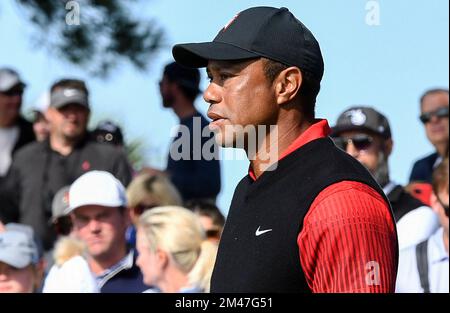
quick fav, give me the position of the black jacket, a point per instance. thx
(38, 172)
(26, 134)
(402, 202)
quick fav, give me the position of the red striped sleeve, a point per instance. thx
(348, 242)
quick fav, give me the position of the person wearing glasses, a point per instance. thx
(424, 268)
(145, 192)
(434, 116)
(15, 132)
(365, 134)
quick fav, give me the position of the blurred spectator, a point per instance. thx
(71, 272)
(424, 268)
(40, 169)
(60, 206)
(193, 176)
(108, 132)
(19, 260)
(421, 191)
(15, 131)
(145, 192)
(210, 217)
(434, 116)
(98, 209)
(40, 123)
(365, 134)
(173, 252)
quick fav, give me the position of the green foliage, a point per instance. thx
(105, 36)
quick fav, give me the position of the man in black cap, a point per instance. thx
(195, 176)
(40, 169)
(15, 131)
(365, 134)
(314, 219)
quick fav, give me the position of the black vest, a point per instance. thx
(278, 200)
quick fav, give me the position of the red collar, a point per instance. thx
(319, 129)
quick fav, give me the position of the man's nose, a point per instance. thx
(211, 95)
(352, 150)
(94, 226)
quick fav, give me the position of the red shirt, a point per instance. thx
(348, 242)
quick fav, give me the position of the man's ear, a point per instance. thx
(49, 114)
(388, 145)
(287, 84)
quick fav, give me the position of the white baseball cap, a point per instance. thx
(96, 188)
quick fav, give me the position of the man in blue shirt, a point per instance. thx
(434, 116)
(193, 165)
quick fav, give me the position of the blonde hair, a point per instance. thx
(155, 186)
(67, 248)
(178, 231)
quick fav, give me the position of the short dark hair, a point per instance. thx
(207, 209)
(432, 91)
(70, 83)
(188, 79)
(308, 90)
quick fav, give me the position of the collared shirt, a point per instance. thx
(338, 248)
(124, 263)
(408, 280)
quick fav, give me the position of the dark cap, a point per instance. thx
(362, 118)
(184, 76)
(267, 32)
(108, 132)
(9, 79)
(64, 96)
(60, 203)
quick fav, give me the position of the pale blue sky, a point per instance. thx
(386, 66)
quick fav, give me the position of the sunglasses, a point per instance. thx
(212, 233)
(63, 225)
(141, 208)
(439, 113)
(13, 92)
(360, 142)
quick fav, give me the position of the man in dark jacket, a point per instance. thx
(40, 169)
(15, 131)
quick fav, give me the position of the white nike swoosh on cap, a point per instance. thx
(260, 232)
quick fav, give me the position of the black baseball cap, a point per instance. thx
(364, 119)
(257, 32)
(184, 76)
